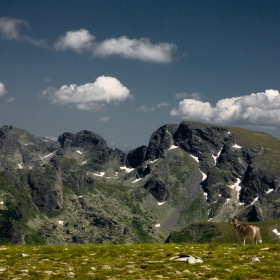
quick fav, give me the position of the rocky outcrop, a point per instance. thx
(161, 140)
(136, 157)
(158, 189)
(78, 190)
(46, 190)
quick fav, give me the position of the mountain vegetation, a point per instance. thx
(77, 190)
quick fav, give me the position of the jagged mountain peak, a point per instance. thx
(77, 189)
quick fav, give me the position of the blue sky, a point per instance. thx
(123, 68)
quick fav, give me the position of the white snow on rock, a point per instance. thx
(205, 194)
(1, 202)
(49, 155)
(269, 191)
(196, 158)
(160, 203)
(215, 157)
(20, 166)
(79, 152)
(84, 162)
(237, 187)
(61, 223)
(256, 199)
(228, 199)
(276, 232)
(101, 174)
(157, 225)
(127, 170)
(173, 147)
(236, 146)
(152, 161)
(136, 180)
(116, 173)
(204, 176)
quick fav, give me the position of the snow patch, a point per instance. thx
(256, 199)
(49, 155)
(136, 180)
(269, 191)
(152, 161)
(101, 174)
(61, 223)
(20, 166)
(237, 187)
(173, 147)
(215, 157)
(228, 199)
(196, 158)
(276, 232)
(157, 225)
(205, 194)
(116, 173)
(127, 170)
(79, 152)
(2, 202)
(236, 146)
(204, 176)
(84, 162)
(160, 203)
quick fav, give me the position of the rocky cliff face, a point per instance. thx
(78, 190)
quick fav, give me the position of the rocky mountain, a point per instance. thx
(78, 190)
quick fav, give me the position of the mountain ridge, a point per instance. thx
(78, 190)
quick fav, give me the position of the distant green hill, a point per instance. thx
(221, 232)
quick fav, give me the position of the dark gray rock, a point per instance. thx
(136, 157)
(161, 140)
(158, 189)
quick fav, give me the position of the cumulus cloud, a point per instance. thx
(90, 96)
(2, 89)
(194, 95)
(142, 49)
(79, 41)
(259, 109)
(105, 119)
(10, 30)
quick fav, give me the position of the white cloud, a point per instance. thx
(163, 104)
(9, 27)
(10, 30)
(105, 119)
(12, 99)
(260, 109)
(2, 89)
(78, 41)
(90, 96)
(146, 109)
(194, 95)
(142, 49)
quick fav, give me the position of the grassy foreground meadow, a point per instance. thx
(140, 261)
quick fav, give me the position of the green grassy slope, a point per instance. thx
(139, 261)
